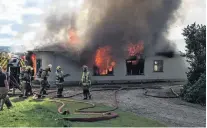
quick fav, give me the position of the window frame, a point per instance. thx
(103, 75)
(126, 60)
(158, 64)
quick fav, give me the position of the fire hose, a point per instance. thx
(104, 114)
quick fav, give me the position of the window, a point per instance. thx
(39, 64)
(135, 66)
(103, 72)
(158, 66)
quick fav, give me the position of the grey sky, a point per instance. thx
(191, 11)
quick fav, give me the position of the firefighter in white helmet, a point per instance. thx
(44, 80)
(59, 81)
(86, 82)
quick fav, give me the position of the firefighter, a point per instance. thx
(59, 81)
(21, 76)
(86, 82)
(23, 69)
(45, 73)
(25, 82)
(4, 87)
(44, 77)
(31, 74)
(43, 84)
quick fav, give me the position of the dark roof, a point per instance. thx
(63, 47)
(52, 48)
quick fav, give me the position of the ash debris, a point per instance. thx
(116, 23)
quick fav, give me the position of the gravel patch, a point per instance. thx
(172, 112)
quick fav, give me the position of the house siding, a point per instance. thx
(173, 69)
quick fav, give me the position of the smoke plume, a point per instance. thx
(115, 23)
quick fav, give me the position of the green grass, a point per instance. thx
(28, 113)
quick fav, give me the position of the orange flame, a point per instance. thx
(104, 61)
(33, 57)
(73, 37)
(136, 49)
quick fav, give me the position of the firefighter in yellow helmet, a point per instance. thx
(86, 82)
(59, 81)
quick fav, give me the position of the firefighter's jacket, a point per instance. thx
(25, 76)
(86, 80)
(45, 73)
(59, 77)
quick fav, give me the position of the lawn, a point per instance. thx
(28, 113)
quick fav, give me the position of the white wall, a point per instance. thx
(174, 68)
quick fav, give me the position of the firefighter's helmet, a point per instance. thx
(58, 68)
(50, 65)
(85, 68)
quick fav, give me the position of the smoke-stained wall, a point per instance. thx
(173, 69)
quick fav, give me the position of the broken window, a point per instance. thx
(106, 72)
(158, 66)
(135, 65)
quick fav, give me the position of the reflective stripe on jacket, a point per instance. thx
(59, 76)
(85, 78)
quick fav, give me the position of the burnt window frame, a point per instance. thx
(141, 74)
(94, 74)
(162, 63)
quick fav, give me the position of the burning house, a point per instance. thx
(136, 67)
(119, 40)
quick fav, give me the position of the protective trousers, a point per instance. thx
(8, 102)
(3, 94)
(43, 87)
(59, 89)
(43, 90)
(30, 90)
(26, 86)
(86, 92)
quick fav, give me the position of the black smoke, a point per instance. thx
(169, 54)
(119, 22)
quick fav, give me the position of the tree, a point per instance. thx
(195, 38)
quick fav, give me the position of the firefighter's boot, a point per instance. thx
(8, 102)
(25, 93)
(85, 95)
(89, 96)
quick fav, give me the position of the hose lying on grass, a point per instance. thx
(104, 114)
